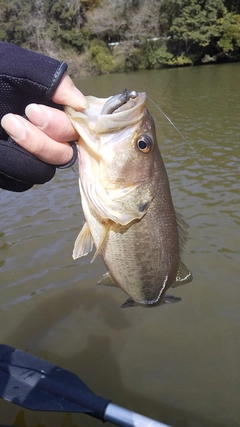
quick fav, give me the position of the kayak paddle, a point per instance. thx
(36, 384)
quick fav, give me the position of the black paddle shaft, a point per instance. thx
(39, 385)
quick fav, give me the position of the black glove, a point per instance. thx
(25, 77)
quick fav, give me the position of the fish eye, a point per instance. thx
(145, 144)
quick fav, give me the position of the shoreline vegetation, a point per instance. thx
(111, 36)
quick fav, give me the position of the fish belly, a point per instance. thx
(142, 257)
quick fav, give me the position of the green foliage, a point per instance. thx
(160, 56)
(195, 27)
(150, 33)
(14, 20)
(201, 31)
(232, 5)
(102, 57)
(180, 60)
(77, 39)
(163, 57)
(65, 23)
(230, 28)
(136, 60)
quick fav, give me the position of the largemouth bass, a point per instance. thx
(126, 199)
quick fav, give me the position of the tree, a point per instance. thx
(232, 5)
(143, 22)
(150, 33)
(13, 15)
(108, 21)
(230, 33)
(65, 19)
(195, 27)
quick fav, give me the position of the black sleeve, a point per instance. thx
(25, 77)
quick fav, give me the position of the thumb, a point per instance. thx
(67, 94)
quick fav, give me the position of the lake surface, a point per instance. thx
(177, 363)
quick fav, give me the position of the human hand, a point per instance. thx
(48, 130)
(30, 150)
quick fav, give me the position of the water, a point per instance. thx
(178, 363)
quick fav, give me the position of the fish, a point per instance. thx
(126, 200)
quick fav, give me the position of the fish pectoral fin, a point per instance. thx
(170, 299)
(183, 276)
(84, 242)
(129, 303)
(106, 228)
(107, 280)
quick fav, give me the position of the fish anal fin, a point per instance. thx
(183, 276)
(84, 243)
(107, 280)
(105, 229)
(129, 303)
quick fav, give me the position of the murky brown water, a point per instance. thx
(178, 363)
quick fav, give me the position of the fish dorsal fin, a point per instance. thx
(84, 243)
(105, 230)
(182, 231)
(183, 276)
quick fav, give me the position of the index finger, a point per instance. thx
(53, 122)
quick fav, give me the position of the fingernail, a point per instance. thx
(80, 100)
(14, 126)
(37, 115)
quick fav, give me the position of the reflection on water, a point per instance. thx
(177, 363)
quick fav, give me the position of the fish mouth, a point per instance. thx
(117, 101)
(120, 111)
(105, 115)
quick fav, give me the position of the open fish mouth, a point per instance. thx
(105, 115)
(117, 101)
